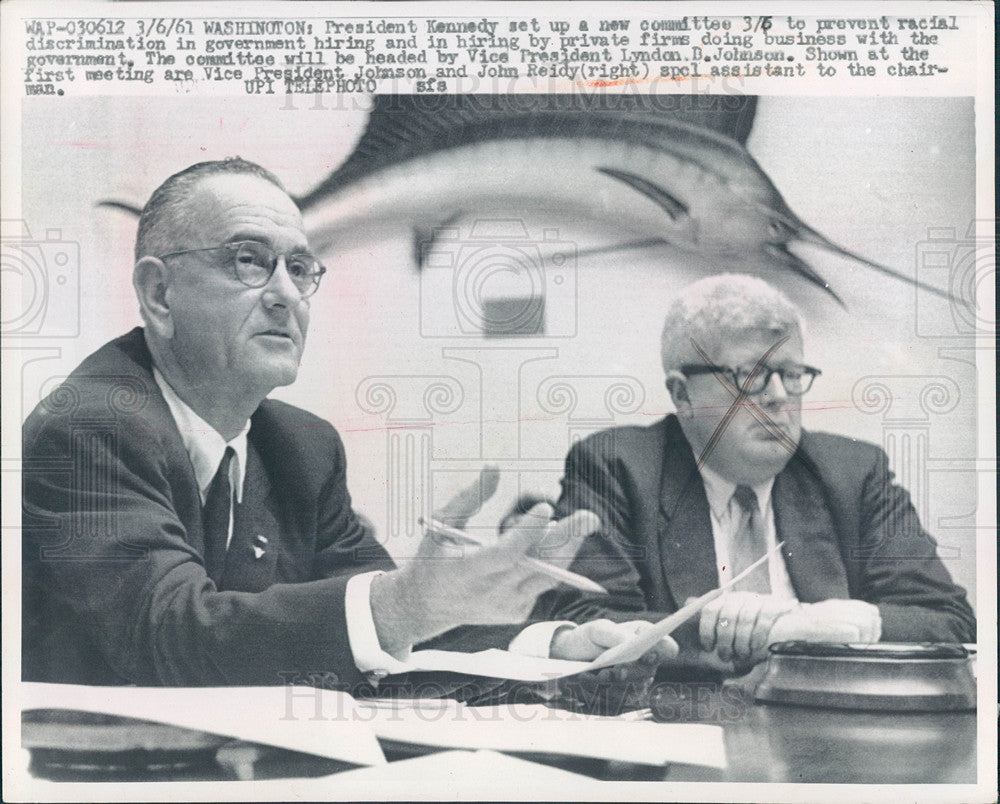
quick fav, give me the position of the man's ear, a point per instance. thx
(677, 386)
(150, 278)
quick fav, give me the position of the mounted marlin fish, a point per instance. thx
(677, 176)
(669, 175)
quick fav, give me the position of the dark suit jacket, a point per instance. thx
(114, 585)
(849, 532)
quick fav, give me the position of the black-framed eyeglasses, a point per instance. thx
(254, 264)
(797, 380)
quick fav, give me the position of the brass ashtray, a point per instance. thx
(896, 677)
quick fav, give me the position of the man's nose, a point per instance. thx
(775, 391)
(280, 291)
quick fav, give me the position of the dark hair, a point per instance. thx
(165, 205)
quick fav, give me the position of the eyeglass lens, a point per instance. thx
(256, 262)
(794, 380)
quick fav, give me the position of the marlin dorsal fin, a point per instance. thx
(131, 209)
(674, 208)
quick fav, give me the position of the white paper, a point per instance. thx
(458, 775)
(537, 728)
(496, 664)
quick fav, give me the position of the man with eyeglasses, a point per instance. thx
(179, 528)
(690, 502)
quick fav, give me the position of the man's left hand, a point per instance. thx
(609, 690)
(830, 621)
(590, 640)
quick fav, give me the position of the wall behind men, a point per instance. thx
(890, 178)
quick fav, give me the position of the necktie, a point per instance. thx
(749, 543)
(215, 518)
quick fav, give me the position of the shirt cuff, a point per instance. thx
(365, 647)
(536, 639)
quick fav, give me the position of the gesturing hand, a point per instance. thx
(445, 586)
(467, 502)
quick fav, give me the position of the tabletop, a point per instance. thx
(763, 743)
(783, 743)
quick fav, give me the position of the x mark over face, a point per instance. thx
(745, 432)
(741, 397)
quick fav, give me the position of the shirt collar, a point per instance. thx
(203, 443)
(720, 491)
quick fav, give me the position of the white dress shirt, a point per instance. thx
(206, 447)
(726, 515)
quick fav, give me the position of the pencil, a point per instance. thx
(556, 573)
(638, 645)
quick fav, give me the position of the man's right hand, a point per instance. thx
(445, 586)
(737, 625)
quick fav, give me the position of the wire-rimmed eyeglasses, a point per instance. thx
(254, 264)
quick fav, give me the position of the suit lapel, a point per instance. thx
(187, 498)
(131, 356)
(259, 513)
(253, 550)
(687, 548)
(803, 521)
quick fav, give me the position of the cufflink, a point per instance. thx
(374, 677)
(258, 546)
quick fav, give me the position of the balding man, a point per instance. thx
(180, 528)
(689, 502)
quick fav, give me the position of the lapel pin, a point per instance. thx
(258, 546)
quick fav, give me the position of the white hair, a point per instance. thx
(718, 309)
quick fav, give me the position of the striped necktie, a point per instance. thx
(749, 543)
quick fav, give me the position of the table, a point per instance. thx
(780, 743)
(764, 743)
